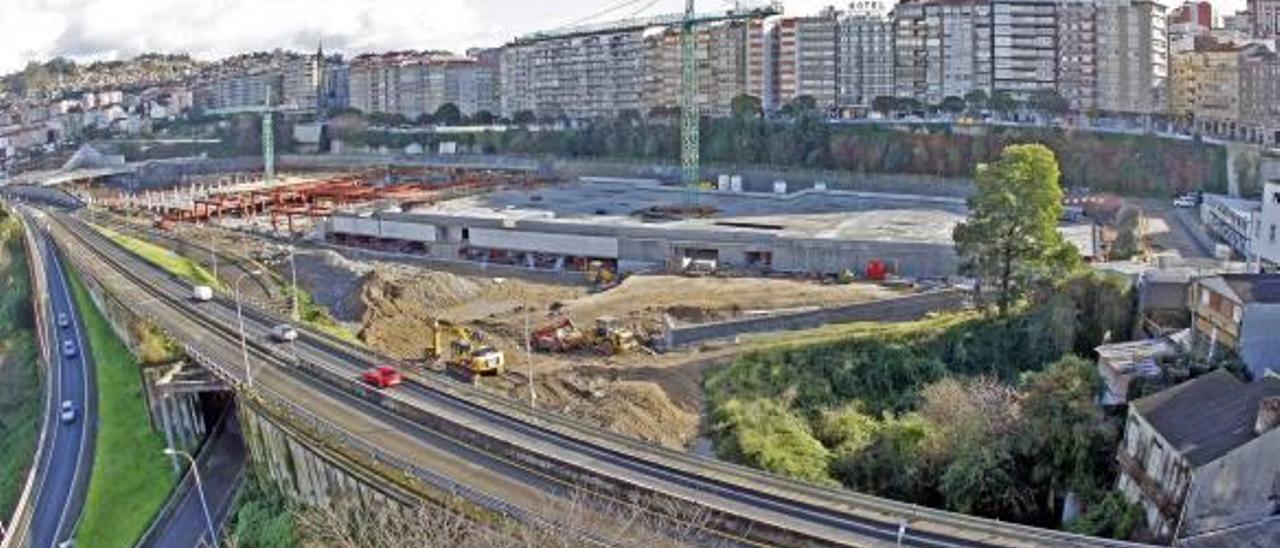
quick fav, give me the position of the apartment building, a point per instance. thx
(1265, 19)
(720, 54)
(578, 75)
(1025, 46)
(1265, 244)
(1133, 56)
(806, 61)
(1077, 52)
(234, 89)
(1260, 95)
(413, 84)
(1199, 458)
(866, 55)
(942, 48)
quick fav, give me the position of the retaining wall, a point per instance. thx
(900, 309)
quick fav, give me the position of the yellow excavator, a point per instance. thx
(613, 337)
(467, 356)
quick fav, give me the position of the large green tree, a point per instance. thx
(1010, 240)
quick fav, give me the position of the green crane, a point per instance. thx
(690, 119)
(267, 111)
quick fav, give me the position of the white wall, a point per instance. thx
(564, 244)
(1266, 243)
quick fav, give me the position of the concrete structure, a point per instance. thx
(866, 55)
(1238, 315)
(568, 226)
(1133, 56)
(1200, 457)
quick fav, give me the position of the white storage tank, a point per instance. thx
(820, 186)
(723, 183)
(779, 187)
(735, 183)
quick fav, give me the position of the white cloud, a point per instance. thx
(112, 29)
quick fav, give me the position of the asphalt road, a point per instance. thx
(221, 465)
(69, 457)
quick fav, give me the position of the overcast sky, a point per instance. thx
(114, 29)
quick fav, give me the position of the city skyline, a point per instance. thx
(90, 30)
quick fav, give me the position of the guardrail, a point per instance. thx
(19, 524)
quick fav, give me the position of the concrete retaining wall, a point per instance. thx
(900, 309)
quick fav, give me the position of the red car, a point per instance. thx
(383, 376)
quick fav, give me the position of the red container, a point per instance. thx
(877, 270)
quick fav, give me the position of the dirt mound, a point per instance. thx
(639, 409)
(333, 280)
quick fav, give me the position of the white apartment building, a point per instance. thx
(1132, 56)
(414, 84)
(721, 57)
(1265, 19)
(807, 53)
(1025, 46)
(575, 75)
(942, 49)
(1265, 244)
(866, 54)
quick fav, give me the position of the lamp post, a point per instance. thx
(244, 343)
(204, 503)
(293, 275)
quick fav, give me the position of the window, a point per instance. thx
(1273, 233)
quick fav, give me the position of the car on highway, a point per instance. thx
(68, 413)
(62, 320)
(383, 376)
(1190, 199)
(69, 349)
(284, 333)
(202, 293)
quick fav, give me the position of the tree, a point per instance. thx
(483, 118)
(909, 104)
(1004, 103)
(977, 100)
(1126, 244)
(448, 115)
(425, 119)
(952, 104)
(1011, 239)
(1049, 101)
(800, 105)
(884, 104)
(524, 118)
(746, 106)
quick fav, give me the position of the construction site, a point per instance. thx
(509, 275)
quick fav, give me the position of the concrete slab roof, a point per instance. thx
(832, 215)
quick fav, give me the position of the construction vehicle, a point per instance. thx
(613, 338)
(468, 357)
(600, 275)
(561, 337)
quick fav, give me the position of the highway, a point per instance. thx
(323, 380)
(68, 459)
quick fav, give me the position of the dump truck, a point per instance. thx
(563, 336)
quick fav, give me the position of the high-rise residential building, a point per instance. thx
(335, 85)
(720, 54)
(1260, 94)
(236, 90)
(1077, 53)
(942, 48)
(1265, 18)
(1024, 46)
(866, 54)
(807, 58)
(413, 84)
(1132, 56)
(575, 74)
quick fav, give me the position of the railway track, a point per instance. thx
(774, 504)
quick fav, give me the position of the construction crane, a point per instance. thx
(690, 118)
(688, 22)
(267, 111)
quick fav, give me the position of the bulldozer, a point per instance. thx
(467, 358)
(600, 275)
(613, 338)
(563, 336)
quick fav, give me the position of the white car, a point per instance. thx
(68, 411)
(202, 293)
(62, 320)
(284, 333)
(1185, 201)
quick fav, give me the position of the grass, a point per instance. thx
(171, 262)
(131, 478)
(20, 383)
(832, 333)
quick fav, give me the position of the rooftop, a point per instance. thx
(1248, 288)
(836, 215)
(1206, 418)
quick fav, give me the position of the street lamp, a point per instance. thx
(244, 343)
(293, 274)
(204, 503)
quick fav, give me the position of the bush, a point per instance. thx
(1112, 517)
(766, 435)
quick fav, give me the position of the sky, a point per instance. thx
(87, 30)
